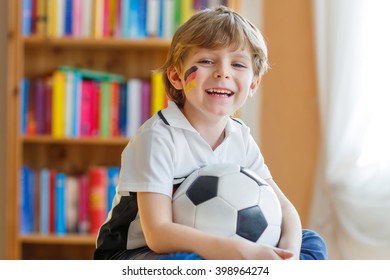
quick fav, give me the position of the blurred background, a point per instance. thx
(320, 117)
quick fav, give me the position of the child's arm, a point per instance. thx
(163, 236)
(291, 238)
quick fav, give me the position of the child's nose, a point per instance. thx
(221, 72)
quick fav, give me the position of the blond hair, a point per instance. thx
(213, 29)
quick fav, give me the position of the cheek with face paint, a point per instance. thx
(189, 78)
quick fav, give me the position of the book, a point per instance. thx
(41, 17)
(60, 218)
(114, 109)
(85, 108)
(157, 94)
(52, 198)
(153, 17)
(44, 201)
(83, 222)
(133, 106)
(24, 97)
(27, 209)
(97, 177)
(71, 203)
(112, 178)
(26, 17)
(58, 101)
(104, 101)
(86, 18)
(40, 106)
(145, 101)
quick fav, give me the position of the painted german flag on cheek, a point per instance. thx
(189, 78)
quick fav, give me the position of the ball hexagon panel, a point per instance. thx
(251, 223)
(230, 189)
(270, 209)
(203, 189)
(270, 236)
(184, 211)
(216, 216)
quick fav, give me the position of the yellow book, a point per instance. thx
(157, 93)
(41, 17)
(187, 10)
(97, 18)
(58, 104)
(51, 17)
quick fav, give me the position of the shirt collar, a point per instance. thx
(176, 118)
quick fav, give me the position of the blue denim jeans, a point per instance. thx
(313, 248)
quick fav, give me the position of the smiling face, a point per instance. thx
(215, 83)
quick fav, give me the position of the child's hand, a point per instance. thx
(253, 251)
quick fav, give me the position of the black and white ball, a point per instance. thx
(230, 201)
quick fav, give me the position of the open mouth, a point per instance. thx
(220, 92)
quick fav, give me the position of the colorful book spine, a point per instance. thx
(83, 223)
(145, 101)
(133, 106)
(26, 17)
(97, 197)
(40, 107)
(114, 109)
(44, 201)
(24, 99)
(104, 100)
(158, 99)
(71, 203)
(85, 108)
(112, 177)
(60, 216)
(58, 101)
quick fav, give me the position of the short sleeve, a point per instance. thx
(148, 163)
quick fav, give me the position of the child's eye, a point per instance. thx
(239, 65)
(206, 61)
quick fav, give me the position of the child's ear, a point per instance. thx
(174, 78)
(254, 85)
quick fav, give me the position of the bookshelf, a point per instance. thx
(34, 56)
(37, 54)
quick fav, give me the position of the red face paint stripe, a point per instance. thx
(190, 78)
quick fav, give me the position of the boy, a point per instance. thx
(215, 62)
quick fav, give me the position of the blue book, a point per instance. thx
(125, 11)
(44, 201)
(68, 17)
(123, 109)
(26, 17)
(24, 219)
(24, 90)
(134, 13)
(160, 25)
(60, 222)
(112, 180)
(76, 92)
(142, 31)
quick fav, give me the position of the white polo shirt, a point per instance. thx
(164, 151)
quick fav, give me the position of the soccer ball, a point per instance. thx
(230, 201)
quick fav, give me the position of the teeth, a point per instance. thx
(220, 91)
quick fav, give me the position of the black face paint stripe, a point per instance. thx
(189, 72)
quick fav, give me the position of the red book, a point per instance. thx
(83, 205)
(94, 108)
(97, 177)
(85, 108)
(48, 106)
